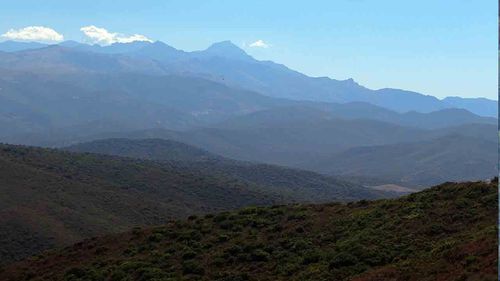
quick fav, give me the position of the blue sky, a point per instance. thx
(442, 48)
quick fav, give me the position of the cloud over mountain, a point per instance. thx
(34, 33)
(102, 36)
(259, 44)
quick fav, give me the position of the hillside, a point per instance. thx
(296, 142)
(48, 103)
(355, 110)
(424, 163)
(297, 185)
(448, 232)
(150, 149)
(292, 142)
(51, 198)
(317, 141)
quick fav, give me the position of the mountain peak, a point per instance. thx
(223, 44)
(227, 49)
(161, 51)
(162, 45)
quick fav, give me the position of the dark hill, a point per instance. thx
(300, 139)
(151, 149)
(299, 185)
(448, 232)
(51, 198)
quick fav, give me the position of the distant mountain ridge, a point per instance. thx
(226, 63)
(394, 154)
(424, 163)
(79, 104)
(357, 110)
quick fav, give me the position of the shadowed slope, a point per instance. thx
(51, 198)
(297, 185)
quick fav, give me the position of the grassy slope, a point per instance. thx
(448, 232)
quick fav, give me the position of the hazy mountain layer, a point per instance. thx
(450, 158)
(225, 63)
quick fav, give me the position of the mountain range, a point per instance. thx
(225, 63)
(227, 103)
(382, 153)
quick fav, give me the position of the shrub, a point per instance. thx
(150, 274)
(235, 249)
(155, 237)
(189, 254)
(343, 259)
(220, 217)
(222, 238)
(311, 256)
(298, 216)
(192, 267)
(118, 275)
(260, 255)
(74, 273)
(238, 277)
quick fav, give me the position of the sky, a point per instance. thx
(441, 48)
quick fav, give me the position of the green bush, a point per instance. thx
(192, 267)
(343, 259)
(189, 254)
(260, 255)
(311, 256)
(74, 273)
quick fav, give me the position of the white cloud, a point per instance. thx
(34, 33)
(102, 36)
(259, 44)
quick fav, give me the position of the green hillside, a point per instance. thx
(50, 198)
(448, 232)
(296, 185)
